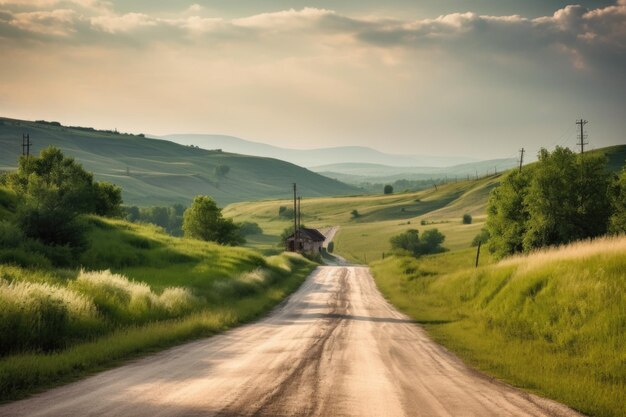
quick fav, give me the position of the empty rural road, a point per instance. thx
(335, 348)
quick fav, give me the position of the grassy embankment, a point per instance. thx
(59, 324)
(366, 237)
(553, 322)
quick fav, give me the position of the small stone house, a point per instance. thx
(309, 241)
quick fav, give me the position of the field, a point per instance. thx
(552, 322)
(138, 290)
(158, 172)
(366, 237)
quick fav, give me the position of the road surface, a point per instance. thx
(335, 348)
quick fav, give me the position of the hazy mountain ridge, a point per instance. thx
(316, 156)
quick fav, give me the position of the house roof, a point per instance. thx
(312, 234)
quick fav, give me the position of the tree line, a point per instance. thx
(48, 197)
(561, 198)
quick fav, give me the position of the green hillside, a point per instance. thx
(159, 172)
(366, 237)
(552, 322)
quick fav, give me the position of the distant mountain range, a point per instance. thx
(160, 172)
(354, 173)
(314, 157)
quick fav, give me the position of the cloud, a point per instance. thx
(54, 23)
(578, 33)
(122, 23)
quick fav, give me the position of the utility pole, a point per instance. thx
(521, 158)
(582, 135)
(299, 213)
(478, 254)
(26, 144)
(295, 219)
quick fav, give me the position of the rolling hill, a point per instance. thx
(159, 172)
(314, 157)
(365, 237)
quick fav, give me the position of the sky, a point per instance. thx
(475, 78)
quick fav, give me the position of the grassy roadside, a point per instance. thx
(25, 373)
(553, 322)
(138, 290)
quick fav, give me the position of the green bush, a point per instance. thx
(410, 241)
(467, 218)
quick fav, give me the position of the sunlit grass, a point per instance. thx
(365, 238)
(552, 322)
(157, 291)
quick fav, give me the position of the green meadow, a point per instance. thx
(365, 237)
(553, 322)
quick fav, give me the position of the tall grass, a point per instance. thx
(553, 322)
(126, 301)
(36, 316)
(123, 317)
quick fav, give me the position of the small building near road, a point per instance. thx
(309, 241)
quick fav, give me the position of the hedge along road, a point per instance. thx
(335, 348)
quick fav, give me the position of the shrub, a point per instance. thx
(331, 247)
(467, 218)
(482, 237)
(250, 228)
(355, 214)
(388, 189)
(410, 241)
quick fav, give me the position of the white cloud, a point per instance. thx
(56, 22)
(122, 23)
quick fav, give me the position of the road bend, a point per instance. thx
(334, 348)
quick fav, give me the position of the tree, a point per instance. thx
(410, 241)
(467, 218)
(507, 215)
(617, 221)
(481, 237)
(108, 199)
(388, 189)
(431, 241)
(54, 190)
(355, 214)
(204, 221)
(562, 198)
(567, 198)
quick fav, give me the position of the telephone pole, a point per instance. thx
(582, 135)
(521, 158)
(299, 212)
(295, 219)
(26, 144)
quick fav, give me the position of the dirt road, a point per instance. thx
(336, 348)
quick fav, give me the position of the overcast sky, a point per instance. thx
(479, 78)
